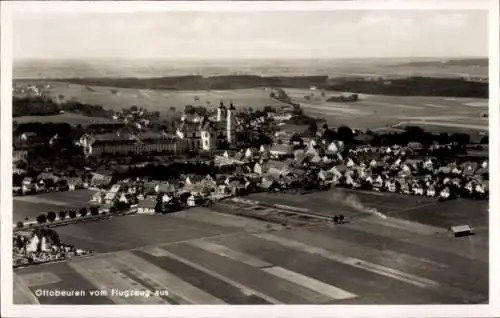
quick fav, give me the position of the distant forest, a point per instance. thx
(458, 62)
(416, 86)
(40, 106)
(413, 86)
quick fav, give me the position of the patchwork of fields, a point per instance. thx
(371, 112)
(201, 256)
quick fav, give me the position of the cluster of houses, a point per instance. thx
(61, 181)
(395, 169)
(139, 117)
(279, 167)
(30, 90)
(161, 196)
(36, 247)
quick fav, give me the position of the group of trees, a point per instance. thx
(415, 86)
(417, 134)
(86, 109)
(343, 133)
(44, 105)
(252, 138)
(34, 106)
(51, 216)
(168, 172)
(269, 109)
(196, 110)
(43, 129)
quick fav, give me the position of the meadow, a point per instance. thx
(32, 206)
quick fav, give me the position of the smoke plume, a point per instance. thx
(354, 202)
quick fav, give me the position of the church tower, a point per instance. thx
(221, 111)
(230, 123)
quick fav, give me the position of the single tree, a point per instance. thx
(313, 128)
(189, 109)
(341, 218)
(20, 225)
(484, 140)
(62, 215)
(83, 212)
(51, 216)
(159, 207)
(345, 133)
(94, 210)
(41, 219)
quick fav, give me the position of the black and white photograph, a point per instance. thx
(231, 155)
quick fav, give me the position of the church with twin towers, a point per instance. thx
(208, 133)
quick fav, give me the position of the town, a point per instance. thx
(133, 165)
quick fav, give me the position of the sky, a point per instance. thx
(267, 34)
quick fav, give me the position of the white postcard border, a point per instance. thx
(9, 310)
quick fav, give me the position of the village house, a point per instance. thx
(280, 151)
(146, 206)
(191, 200)
(110, 197)
(99, 197)
(47, 177)
(226, 162)
(237, 186)
(27, 185)
(100, 180)
(269, 183)
(222, 185)
(335, 147)
(277, 168)
(157, 186)
(166, 198)
(75, 183)
(250, 154)
(19, 155)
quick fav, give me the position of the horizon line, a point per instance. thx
(245, 58)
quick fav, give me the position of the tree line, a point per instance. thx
(415, 86)
(44, 106)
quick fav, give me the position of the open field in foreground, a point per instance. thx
(373, 111)
(200, 256)
(31, 206)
